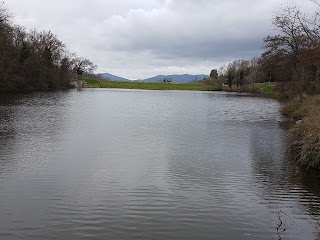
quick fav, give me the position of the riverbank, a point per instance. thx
(150, 86)
(304, 130)
(264, 90)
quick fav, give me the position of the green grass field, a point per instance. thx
(150, 86)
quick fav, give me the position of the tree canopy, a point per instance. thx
(35, 60)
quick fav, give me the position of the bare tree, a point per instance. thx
(35, 59)
(4, 13)
(83, 65)
(253, 72)
(297, 45)
(46, 44)
(231, 73)
(214, 74)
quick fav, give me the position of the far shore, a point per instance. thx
(264, 90)
(149, 85)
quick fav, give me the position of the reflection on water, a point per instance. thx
(7, 131)
(282, 186)
(129, 164)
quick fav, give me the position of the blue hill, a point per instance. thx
(109, 76)
(176, 78)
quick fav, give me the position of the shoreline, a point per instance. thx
(149, 86)
(304, 130)
(259, 90)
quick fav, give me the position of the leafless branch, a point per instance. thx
(284, 223)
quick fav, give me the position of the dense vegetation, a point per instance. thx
(35, 60)
(305, 147)
(293, 57)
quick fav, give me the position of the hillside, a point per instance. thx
(109, 76)
(175, 78)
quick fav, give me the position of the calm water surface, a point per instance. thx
(130, 164)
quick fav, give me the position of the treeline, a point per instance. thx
(292, 57)
(35, 60)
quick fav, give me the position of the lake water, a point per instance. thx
(132, 164)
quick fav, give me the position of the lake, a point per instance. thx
(134, 164)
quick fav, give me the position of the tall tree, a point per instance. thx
(296, 46)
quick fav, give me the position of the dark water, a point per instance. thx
(127, 164)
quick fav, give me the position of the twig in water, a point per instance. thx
(284, 223)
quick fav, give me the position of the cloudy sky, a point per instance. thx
(142, 38)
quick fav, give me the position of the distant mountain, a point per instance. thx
(176, 78)
(109, 76)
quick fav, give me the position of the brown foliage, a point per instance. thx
(34, 60)
(293, 54)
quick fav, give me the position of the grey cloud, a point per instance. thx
(205, 34)
(154, 35)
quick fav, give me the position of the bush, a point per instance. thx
(305, 131)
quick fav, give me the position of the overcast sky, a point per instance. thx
(142, 38)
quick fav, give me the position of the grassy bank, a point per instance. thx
(305, 130)
(150, 86)
(260, 89)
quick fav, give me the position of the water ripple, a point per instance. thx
(125, 164)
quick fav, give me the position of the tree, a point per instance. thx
(25, 52)
(83, 65)
(34, 59)
(214, 74)
(297, 46)
(231, 74)
(47, 45)
(4, 14)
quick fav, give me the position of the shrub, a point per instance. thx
(305, 131)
